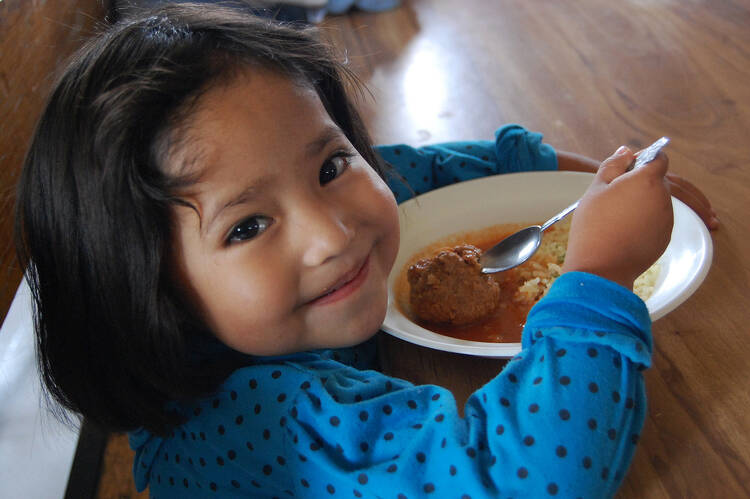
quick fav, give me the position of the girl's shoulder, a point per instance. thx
(278, 377)
(251, 413)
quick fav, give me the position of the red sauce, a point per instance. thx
(502, 326)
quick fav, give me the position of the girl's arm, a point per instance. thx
(568, 161)
(562, 419)
(419, 170)
(515, 149)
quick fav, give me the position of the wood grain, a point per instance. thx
(35, 38)
(116, 480)
(590, 75)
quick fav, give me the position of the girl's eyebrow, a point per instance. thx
(250, 192)
(329, 134)
(312, 149)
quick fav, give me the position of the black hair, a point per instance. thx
(117, 339)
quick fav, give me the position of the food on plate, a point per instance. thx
(518, 289)
(450, 287)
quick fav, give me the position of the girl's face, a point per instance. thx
(293, 234)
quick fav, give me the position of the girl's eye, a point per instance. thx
(249, 228)
(334, 166)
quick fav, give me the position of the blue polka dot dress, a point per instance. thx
(561, 420)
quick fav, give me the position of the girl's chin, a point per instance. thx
(360, 329)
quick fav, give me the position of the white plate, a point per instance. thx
(530, 197)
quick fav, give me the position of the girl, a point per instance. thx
(207, 233)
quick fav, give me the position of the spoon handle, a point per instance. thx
(645, 156)
(649, 154)
(560, 215)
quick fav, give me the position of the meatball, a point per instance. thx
(450, 287)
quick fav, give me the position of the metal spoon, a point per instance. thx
(519, 247)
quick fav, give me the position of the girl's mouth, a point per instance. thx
(348, 284)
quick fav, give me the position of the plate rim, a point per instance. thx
(438, 341)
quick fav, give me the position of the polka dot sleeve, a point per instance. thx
(572, 404)
(560, 420)
(418, 170)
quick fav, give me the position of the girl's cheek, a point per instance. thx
(395, 236)
(248, 302)
(388, 213)
(382, 189)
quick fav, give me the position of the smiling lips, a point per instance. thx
(345, 286)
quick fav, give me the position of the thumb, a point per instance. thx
(615, 165)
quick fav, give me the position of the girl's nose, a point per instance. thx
(327, 235)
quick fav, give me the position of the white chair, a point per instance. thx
(36, 450)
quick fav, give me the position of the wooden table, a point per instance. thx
(590, 75)
(593, 75)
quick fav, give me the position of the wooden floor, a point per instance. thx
(590, 75)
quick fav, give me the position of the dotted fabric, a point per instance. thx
(561, 419)
(423, 169)
(341, 6)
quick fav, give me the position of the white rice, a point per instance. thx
(544, 267)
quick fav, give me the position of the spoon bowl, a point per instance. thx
(512, 251)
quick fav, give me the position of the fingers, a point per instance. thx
(615, 165)
(694, 198)
(658, 166)
(622, 162)
(687, 186)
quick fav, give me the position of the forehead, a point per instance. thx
(255, 111)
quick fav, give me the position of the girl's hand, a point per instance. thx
(681, 188)
(624, 220)
(689, 194)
